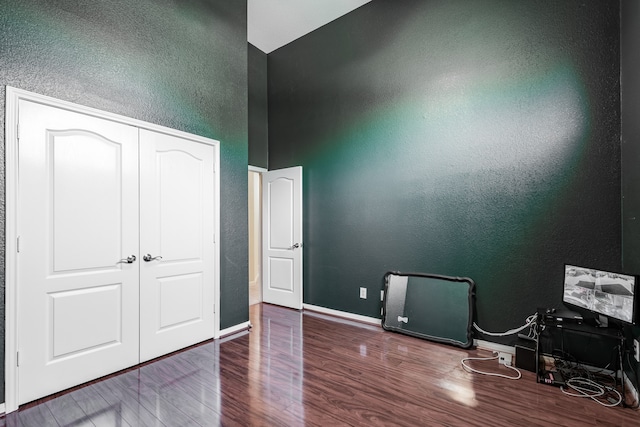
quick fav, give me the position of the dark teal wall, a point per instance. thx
(462, 138)
(258, 117)
(181, 64)
(630, 127)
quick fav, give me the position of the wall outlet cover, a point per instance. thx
(504, 358)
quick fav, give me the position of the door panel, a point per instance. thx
(280, 218)
(180, 300)
(179, 189)
(85, 320)
(78, 305)
(90, 206)
(177, 211)
(281, 271)
(282, 237)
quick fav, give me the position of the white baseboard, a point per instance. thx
(480, 344)
(234, 329)
(492, 346)
(2, 409)
(343, 314)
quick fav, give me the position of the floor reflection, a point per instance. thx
(300, 369)
(179, 390)
(275, 369)
(251, 378)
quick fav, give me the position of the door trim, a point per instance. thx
(13, 96)
(260, 171)
(257, 169)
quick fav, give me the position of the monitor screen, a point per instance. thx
(604, 293)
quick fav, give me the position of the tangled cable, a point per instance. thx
(530, 323)
(589, 388)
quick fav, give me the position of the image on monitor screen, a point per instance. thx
(601, 292)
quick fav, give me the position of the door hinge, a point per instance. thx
(18, 130)
(17, 358)
(18, 244)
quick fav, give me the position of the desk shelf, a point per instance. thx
(557, 327)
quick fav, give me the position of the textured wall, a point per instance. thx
(475, 139)
(630, 128)
(181, 64)
(258, 116)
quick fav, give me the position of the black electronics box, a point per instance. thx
(525, 358)
(551, 316)
(552, 378)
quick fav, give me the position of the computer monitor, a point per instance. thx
(606, 294)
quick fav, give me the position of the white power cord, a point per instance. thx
(588, 388)
(492, 374)
(530, 320)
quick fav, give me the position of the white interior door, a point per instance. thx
(78, 205)
(282, 237)
(177, 243)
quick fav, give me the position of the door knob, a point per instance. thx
(149, 258)
(295, 246)
(127, 260)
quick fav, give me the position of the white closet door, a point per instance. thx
(177, 237)
(78, 205)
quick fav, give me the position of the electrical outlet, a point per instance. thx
(636, 350)
(504, 358)
(363, 293)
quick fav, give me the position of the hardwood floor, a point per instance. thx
(295, 369)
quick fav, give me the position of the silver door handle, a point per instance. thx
(295, 246)
(149, 258)
(127, 260)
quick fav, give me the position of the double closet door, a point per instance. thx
(116, 247)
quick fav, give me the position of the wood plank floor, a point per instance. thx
(296, 369)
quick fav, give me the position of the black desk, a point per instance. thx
(558, 326)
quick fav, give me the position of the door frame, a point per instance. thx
(13, 97)
(259, 171)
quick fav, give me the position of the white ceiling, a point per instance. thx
(275, 23)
